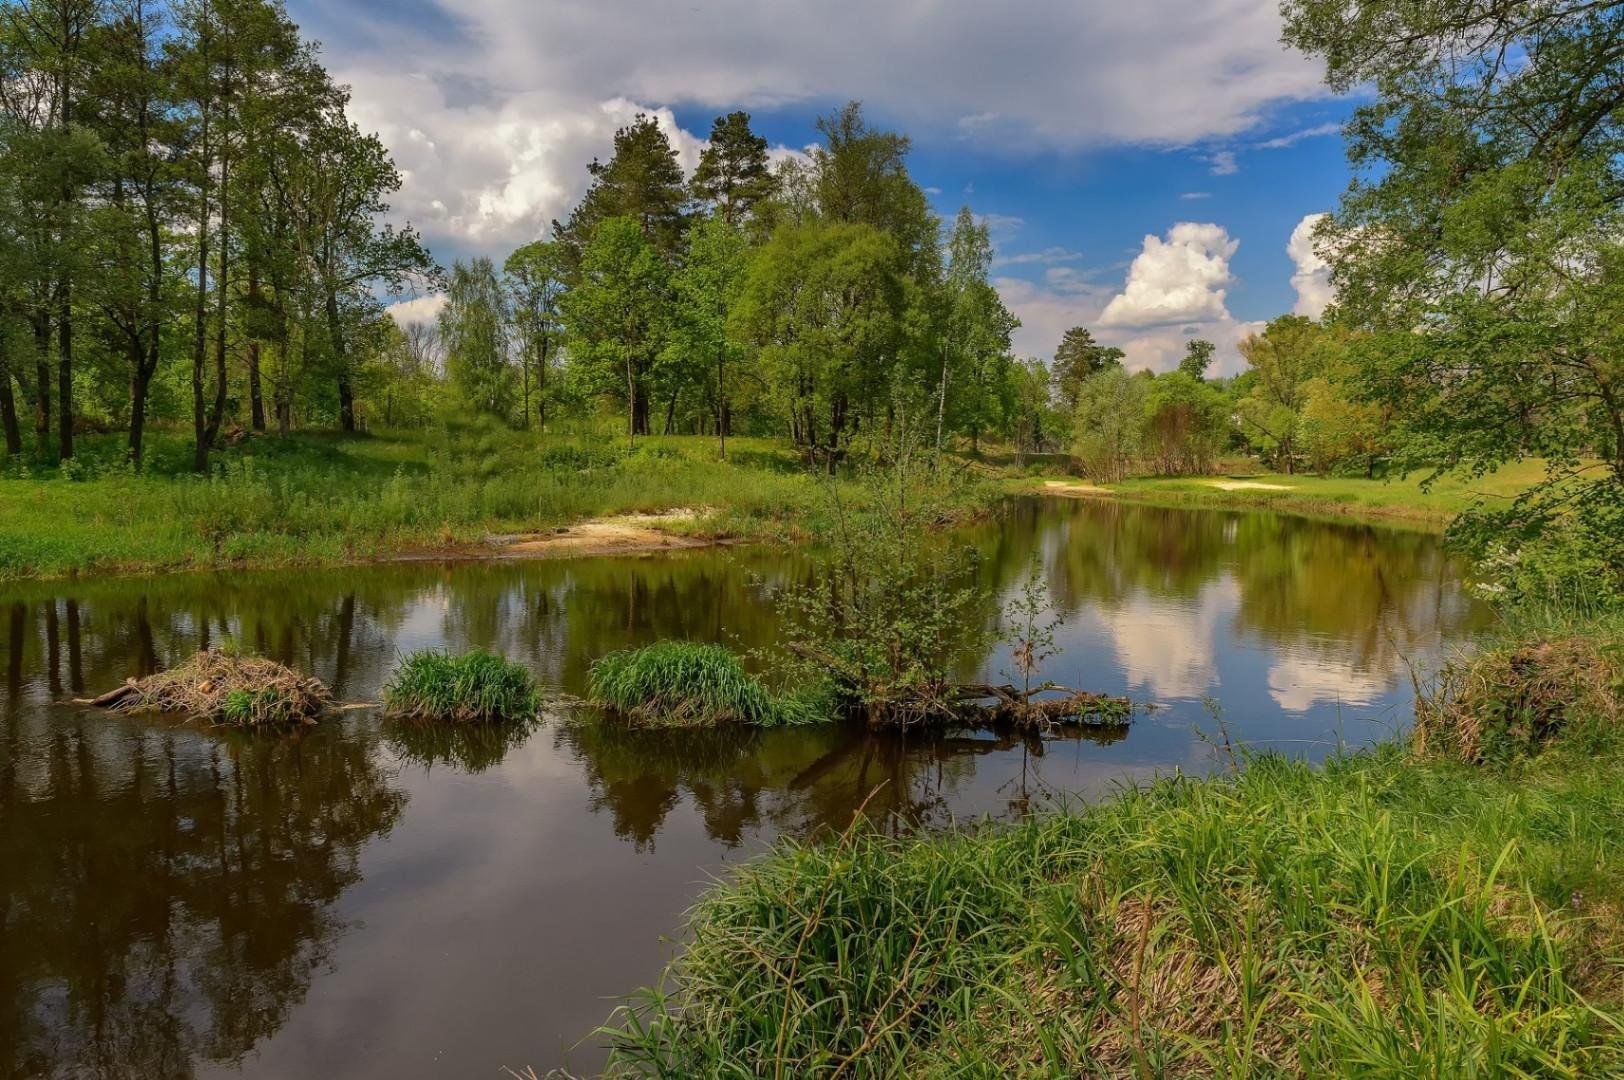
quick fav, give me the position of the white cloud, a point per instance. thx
(1312, 278)
(1175, 291)
(1191, 195)
(494, 107)
(419, 309)
(1177, 280)
(1283, 141)
(1047, 257)
(1223, 163)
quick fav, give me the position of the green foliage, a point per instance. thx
(476, 687)
(685, 684)
(474, 332)
(617, 317)
(1110, 426)
(1077, 358)
(1377, 916)
(734, 173)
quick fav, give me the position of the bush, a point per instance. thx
(476, 687)
(682, 683)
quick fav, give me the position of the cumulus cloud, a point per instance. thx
(494, 107)
(1175, 290)
(1177, 280)
(419, 309)
(1312, 277)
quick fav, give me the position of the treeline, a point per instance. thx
(1301, 404)
(190, 225)
(816, 297)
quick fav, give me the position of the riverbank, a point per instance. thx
(458, 491)
(1385, 914)
(1398, 499)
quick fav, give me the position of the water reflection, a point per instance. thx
(180, 901)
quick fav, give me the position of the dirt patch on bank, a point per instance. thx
(1069, 487)
(1247, 485)
(608, 536)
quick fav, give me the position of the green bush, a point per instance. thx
(476, 687)
(682, 683)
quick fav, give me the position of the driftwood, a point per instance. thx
(1044, 705)
(219, 687)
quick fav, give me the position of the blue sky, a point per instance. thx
(1077, 127)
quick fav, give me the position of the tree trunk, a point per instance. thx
(941, 406)
(346, 384)
(138, 412)
(217, 413)
(200, 331)
(42, 380)
(8, 406)
(256, 394)
(64, 372)
(721, 402)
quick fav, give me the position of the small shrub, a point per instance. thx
(1508, 702)
(681, 683)
(476, 687)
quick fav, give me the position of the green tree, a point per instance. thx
(536, 278)
(642, 180)
(734, 173)
(1185, 423)
(1110, 423)
(706, 291)
(1197, 358)
(977, 337)
(474, 333)
(616, 315)
(1486, 210)
(1289, 351)
(1078, 357)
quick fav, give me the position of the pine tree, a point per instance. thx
(734, 173)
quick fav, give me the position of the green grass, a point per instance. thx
(1384, 915)
(313, 499)
(686, 684)
(1397, 498)
(476, 687)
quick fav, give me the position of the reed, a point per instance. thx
(476, 687)
(686, 684)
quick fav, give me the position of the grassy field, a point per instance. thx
(1397, 498)
(1388, 914)
(315, 498)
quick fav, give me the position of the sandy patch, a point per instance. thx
(603, 536)
(1247, 485)
(1067, 487)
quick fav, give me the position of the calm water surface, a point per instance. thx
(359, 901)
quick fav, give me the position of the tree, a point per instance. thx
(978, 332)
(1281, 359)
(706, 291)
(536, 275)
(1185, 423)
(1197, 358)
(1486, 213)
(734, 173)
(642, 180)
(474, 330)
(1110, 423)
(1078, 357)
(615, 314)
(861, 178)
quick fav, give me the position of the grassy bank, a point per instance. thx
(324, 499)
(1386, 914)
(1392, 499)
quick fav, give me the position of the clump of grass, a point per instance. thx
(1507, 702)
(225, 687)
(683, 683)
(475, 687)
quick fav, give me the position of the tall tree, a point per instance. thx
(978, 331)
(642, 180)
(474, 331)
(1487, 209)
(615, 314)
(1198, 353)
(706, 291)
(1076, 358)
(734, 173)
(536, 280)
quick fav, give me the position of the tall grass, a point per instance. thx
(683, 683)
(476, 687)
(1382, 915)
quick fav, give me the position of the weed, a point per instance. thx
(476, 687)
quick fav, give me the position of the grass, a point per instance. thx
(323, 499)
(476, 687)
(687, 684)
(1387, 914)
(1395, 498)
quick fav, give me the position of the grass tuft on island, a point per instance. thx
(224, 687)
(1385, 914)
(688, 684)
(476, 687)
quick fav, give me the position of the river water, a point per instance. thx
(360, 900)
